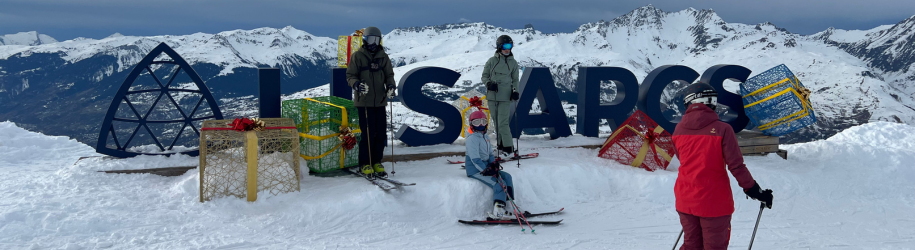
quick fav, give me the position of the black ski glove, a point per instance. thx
(391, 90)
(492, 169)
(361, 88)
(764, 196)
(491, 86)
(515, 95)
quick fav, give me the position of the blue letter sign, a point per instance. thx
(538, 82)
(715, 76)
(653, 86)
(410, 89)
(590, 111)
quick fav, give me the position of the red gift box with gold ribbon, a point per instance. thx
(640, 142)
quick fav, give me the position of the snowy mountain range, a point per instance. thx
(855, 76)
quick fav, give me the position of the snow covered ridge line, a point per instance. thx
(268, 46)
(229, 49)
(30, 38)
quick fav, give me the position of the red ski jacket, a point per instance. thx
(704, 145)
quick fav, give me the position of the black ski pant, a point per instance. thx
(372, 122)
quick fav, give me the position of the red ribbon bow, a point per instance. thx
(477, 102)
(650, 137)
(347, 138)
(242, 124)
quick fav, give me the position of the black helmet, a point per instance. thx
(700, 92)
(503, 39)
(371, 38)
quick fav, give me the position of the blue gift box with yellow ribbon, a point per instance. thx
(776, 102)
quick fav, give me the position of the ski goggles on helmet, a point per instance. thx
(705, 97)
(479, 122)
(371, 40)
(507, 46)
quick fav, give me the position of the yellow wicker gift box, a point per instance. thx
(329, 131)
(243, 157)
(468, 103)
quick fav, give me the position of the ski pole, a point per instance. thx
(513, 209)
(368, 134)
(520, 132)
(498, 135)
(678, 240)
(519, 216)
(761, 206)
(393, 160)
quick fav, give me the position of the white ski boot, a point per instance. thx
(499, 212)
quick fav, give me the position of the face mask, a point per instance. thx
(480, 128)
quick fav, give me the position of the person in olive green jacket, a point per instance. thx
(371, 76)
(500, 74)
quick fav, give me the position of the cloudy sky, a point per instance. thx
(68, 19)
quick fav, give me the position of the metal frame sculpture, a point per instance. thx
(141, 119)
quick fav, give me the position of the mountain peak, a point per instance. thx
(30, 38)
(115, 35)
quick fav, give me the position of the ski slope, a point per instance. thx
(852, 191)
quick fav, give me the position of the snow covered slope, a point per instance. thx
(851, 191)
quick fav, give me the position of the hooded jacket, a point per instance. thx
(359, 70)
(503, 70)
(704, 146)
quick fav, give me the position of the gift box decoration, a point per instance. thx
(639, 142)
(468, 103)
(329, 131)
(244, 156)
(347, 45)
(776, 102)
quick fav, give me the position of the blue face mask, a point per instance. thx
(480, 128)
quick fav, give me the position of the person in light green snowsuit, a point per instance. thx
(500, 75)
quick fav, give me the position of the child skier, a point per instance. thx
(371, 76)
(481, 164)
(703, 190)
(500, 74)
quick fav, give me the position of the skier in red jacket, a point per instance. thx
(703, 191)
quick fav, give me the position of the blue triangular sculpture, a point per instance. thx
(108, 129)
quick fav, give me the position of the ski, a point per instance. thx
(529, 214)
(383, 185)
(395, 182)
(507, 222)
(503, 160)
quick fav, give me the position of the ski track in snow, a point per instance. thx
(852, 191)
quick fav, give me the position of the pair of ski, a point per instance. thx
(490, 221)
(384, 183)
(504, 160)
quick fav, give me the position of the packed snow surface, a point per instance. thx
(852, 191)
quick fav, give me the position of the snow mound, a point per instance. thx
(850, 191)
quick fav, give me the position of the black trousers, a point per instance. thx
(372, 122)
